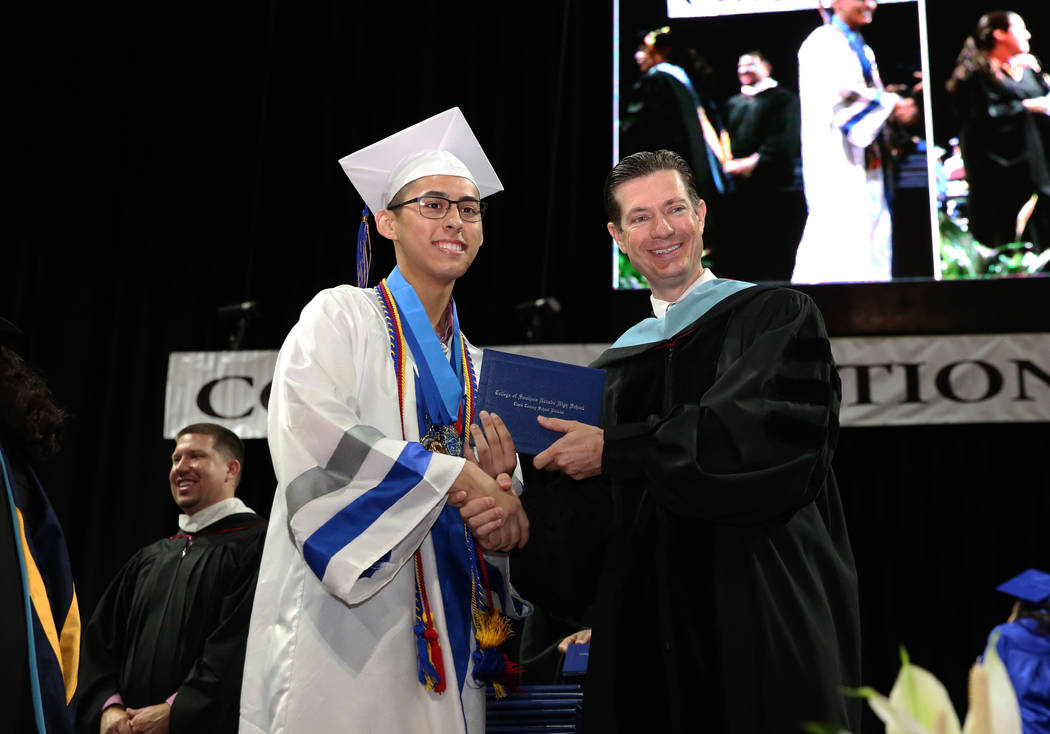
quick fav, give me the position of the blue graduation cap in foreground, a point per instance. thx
(1032, 586)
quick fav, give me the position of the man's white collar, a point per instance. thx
(660, 307)
(204, 518)
(750, 90)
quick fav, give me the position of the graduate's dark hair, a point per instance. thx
(639, 165)
(760, 56)
(1038, 612)
(226, 442)
(402, 193)
(29, 417)
(973, 57)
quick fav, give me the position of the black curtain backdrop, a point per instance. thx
(161, 162)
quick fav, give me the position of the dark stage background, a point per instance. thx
(163, 161)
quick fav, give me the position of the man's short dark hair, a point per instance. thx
(226, 442)
(639, 165)
(760, 56)
(664, 42)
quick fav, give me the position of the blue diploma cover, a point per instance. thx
(519, 388)
(576, 659)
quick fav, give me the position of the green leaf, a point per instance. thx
(864, 692)
(814, 728)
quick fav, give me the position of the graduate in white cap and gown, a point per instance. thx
(383, 539)
(848, 234)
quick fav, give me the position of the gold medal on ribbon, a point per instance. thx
(442, 439)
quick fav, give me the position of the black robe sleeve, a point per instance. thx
(781, 142)
(755, 444)
(767, 124)
(570, 522)
(207, 700)
(103, 645)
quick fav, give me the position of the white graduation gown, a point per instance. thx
(847, 237)
(338, 653)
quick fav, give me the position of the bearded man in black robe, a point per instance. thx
(704, 527)
(164, 650)
(765, 216)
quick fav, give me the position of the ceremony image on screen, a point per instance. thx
(827, 157)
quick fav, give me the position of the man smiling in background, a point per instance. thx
(165, 646)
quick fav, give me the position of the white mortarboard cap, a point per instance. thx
(442, 144)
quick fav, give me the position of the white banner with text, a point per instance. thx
(996, 378)
(228, 388)
(906, 380)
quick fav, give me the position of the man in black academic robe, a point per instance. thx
(708, 529)
(766, 217)
(164, 650)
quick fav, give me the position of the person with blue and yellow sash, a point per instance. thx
(40, 636)
(383, 594)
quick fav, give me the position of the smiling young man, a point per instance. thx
(164, 648)
(384, 536)
(727, 597)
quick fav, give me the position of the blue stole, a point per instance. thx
(653, 330)
(856, 42)
(439, 397)
(442, 382)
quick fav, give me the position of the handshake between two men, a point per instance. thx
(483, 492)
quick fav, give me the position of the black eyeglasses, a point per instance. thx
(436, 207)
